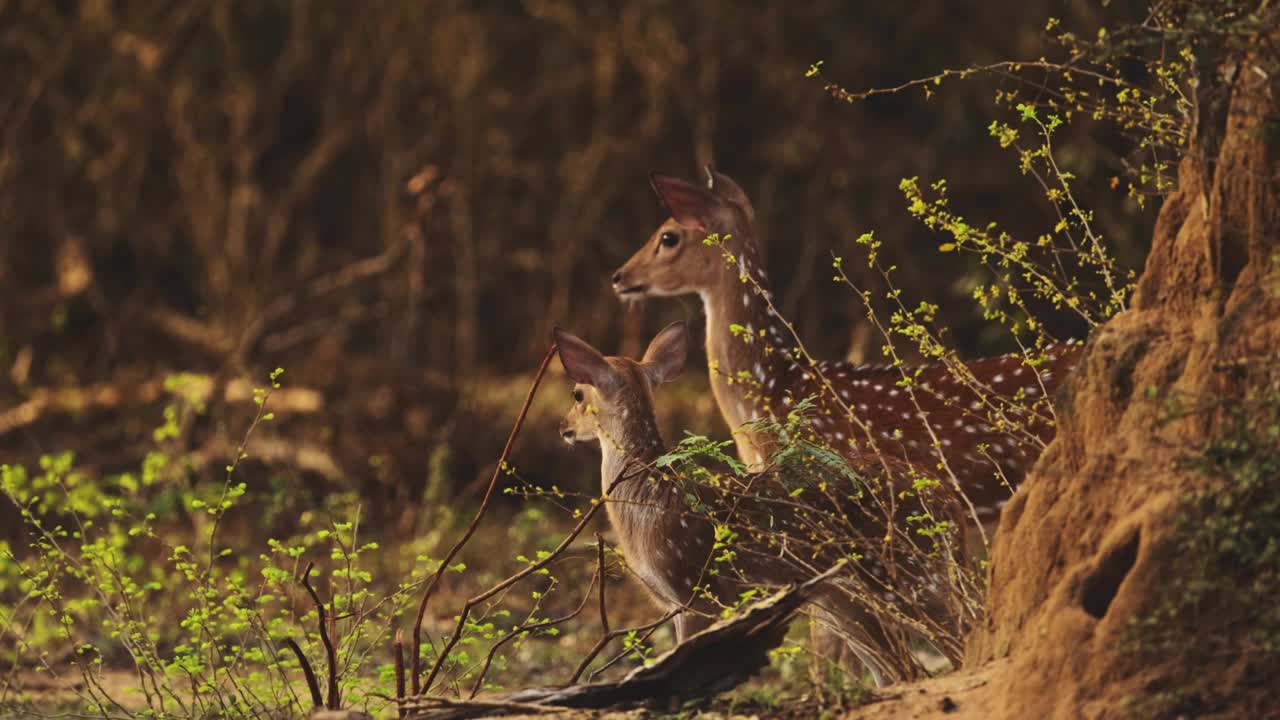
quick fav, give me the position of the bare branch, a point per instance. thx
(312, 684)
(331, 656)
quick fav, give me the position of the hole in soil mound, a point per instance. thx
(1101, 587)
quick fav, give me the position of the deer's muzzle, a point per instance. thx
(567, 432)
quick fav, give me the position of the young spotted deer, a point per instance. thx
(757, 372)
(777, 538)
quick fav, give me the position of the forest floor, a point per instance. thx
(964, 695)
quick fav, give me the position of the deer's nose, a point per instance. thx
(568, 435)
(617, 278)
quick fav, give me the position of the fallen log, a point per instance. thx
(711, 662)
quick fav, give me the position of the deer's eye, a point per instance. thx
(669, 239)
(577, 395)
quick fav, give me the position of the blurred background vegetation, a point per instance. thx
(394, 201)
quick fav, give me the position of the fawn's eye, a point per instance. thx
(577, 395)
(669, 239)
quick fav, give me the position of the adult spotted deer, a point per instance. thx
(777, 539)
(757, 370)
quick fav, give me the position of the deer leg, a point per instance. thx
(836, 640)
(884, 652)
(827, 648)
(943, 629)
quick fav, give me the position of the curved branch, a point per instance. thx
(471, 529)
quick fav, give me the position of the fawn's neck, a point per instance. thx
(663, 546)
(633, 438)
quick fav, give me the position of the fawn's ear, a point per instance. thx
(583, 363)
(726, 188)
(690, 205)
(664, 359)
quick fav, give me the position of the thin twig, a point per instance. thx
(648, 631)
(475, 522)
(527, 571)
(1011, 67)
(528, 627)
(330, 654)
(312, 683)
(604, 616)
(397, 648)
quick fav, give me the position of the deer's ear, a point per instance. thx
(583, 363)
(664, 359)
(690, 205)
(724, 186)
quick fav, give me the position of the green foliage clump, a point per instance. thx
(138, 570)
(1221, 606)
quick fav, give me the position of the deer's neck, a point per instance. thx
(746, 345)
